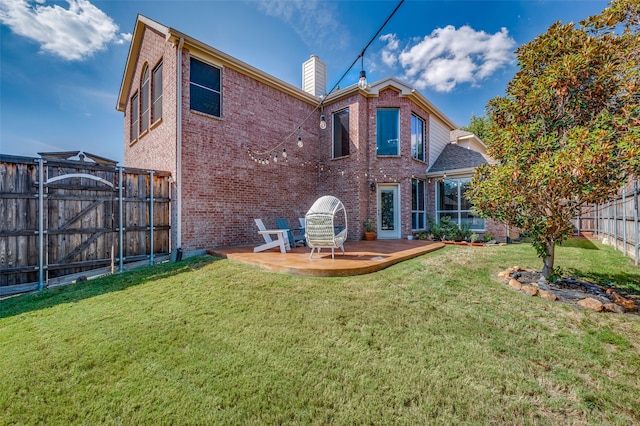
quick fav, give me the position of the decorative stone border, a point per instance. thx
(609, 300)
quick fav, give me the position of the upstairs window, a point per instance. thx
(341, 133)
(144, 101)
(417, 138)
(156, 93)
(387, 131)
(134, 117)
(205, 88)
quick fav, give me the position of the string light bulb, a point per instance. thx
(363, 75)
(284, 152)
(300, 144)
(323, 122)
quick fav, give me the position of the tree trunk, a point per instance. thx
(550, 248)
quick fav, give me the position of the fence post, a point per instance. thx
(40, 223)
(120, 222)
(150, 217)
(615, 224)
(624, 221)
(635, 220)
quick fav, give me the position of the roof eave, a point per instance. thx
(174, 36)
(404, 89)
(134, 47)
(453, 172)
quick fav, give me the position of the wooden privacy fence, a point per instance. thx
(615, 223)
(60, 217)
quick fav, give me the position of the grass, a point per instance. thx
(436, 339)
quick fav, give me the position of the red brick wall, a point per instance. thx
(154, 149)
(223, 188)
(349, 178)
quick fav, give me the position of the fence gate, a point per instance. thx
(60, 217)
(80, 219)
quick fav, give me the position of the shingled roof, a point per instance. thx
(455, 157)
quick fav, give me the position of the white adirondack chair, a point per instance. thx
(320, 225)
(281, 240)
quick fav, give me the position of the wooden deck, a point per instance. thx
(361, 257)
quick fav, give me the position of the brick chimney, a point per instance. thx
(314, 76)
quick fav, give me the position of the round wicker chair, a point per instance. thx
(325, 225)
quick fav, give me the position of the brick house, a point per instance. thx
(223, 128)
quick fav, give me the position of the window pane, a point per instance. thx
(417, 138)
(418, 213)
(452, 215)
(205, 93)
(134, 117)
(144, 101)
(387, 132)
(414, 194)
(422, 222)
(448, 195)
(144, 120)
(157, 93)
(205, 75)
(464, 186)
(204, 100)
(477, 223)
(386, 212)
(341, 133)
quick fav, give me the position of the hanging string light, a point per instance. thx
(362, 83)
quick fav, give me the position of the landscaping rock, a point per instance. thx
(547, 295)
(613, 307)
(568, 290)
(592, 304)
(627, 304)
(504, 274)
(515, 284)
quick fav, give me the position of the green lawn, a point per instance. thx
(437, 339)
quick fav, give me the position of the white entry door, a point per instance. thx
(388, 211)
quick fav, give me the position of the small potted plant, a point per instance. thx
(369, 230)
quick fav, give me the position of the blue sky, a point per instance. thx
(61, 62)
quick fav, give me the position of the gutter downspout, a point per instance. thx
(179, 147)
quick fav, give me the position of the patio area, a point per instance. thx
(361, 257)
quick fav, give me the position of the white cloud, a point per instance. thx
(72, 34)
(313, 20)
(449, 56)
(389, 57)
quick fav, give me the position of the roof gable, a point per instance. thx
(402, 88)
(199, 48)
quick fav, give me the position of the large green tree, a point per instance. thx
(479, 126)
(567, 132)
